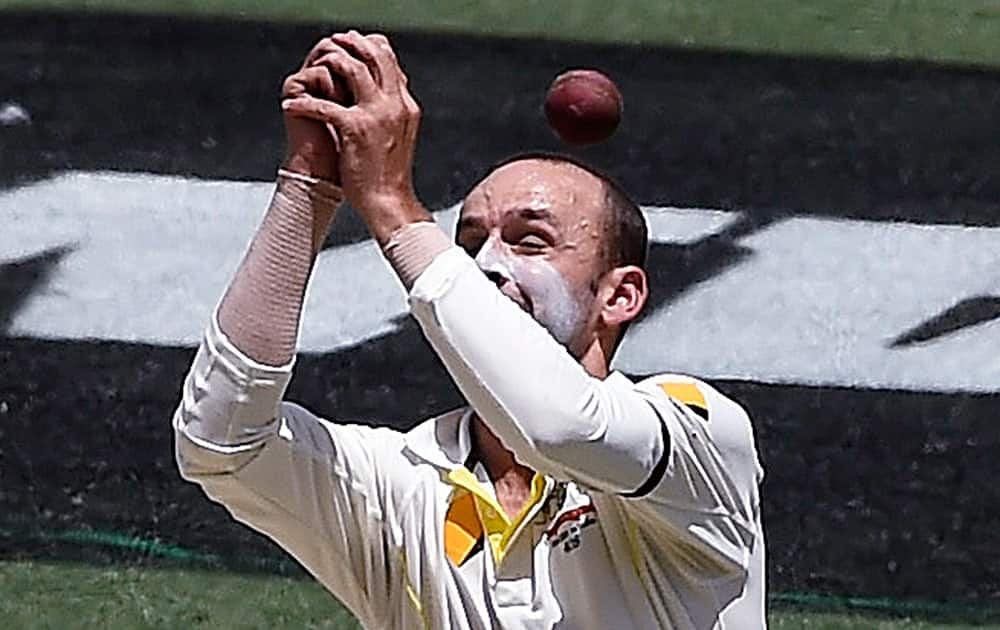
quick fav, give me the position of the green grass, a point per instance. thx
(64, 596)
(57, 596)
(962, 31)
(787, 620)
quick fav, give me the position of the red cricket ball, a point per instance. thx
(583, 106)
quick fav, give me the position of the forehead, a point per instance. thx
(567, 192)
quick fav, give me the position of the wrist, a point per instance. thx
(413, 248)
(309, 164)
(388, 213)
(310, 150)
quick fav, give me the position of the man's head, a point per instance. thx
(565, 243)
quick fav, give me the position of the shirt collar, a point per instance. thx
(443, 441)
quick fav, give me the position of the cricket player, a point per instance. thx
(564, 495)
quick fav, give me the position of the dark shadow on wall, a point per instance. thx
(967, 313)
(675, 268)
(20, 278)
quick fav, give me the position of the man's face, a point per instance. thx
(536, 227)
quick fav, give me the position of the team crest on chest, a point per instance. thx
(568, 525)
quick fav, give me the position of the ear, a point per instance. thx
(623, 295)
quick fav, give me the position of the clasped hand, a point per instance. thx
(351, 118)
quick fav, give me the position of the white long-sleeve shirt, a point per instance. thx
(645, 511)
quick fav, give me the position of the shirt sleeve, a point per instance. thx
(609, 434)
(702, 502)
(311, 486)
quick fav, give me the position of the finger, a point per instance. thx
(412, 118)
(316, 81)
(318, 109)
(383, 43)
(369, 52)
(359, 79)
(321, 48)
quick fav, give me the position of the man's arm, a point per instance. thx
(250, 344)
(260, 310)
(308, 484)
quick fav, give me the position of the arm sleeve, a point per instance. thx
(605, 434)
(311, 486)
(702, 503)
(261, 309)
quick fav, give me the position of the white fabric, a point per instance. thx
(363, 509)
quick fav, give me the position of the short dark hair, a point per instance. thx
(627, 242)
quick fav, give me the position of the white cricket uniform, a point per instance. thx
(645, 512)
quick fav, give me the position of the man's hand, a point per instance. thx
(311, 145)
(377, 133)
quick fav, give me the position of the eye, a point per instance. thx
(532, 241)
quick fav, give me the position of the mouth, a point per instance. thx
(517, 297)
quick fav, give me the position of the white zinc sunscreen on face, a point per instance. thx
(553, 304)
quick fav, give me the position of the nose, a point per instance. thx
(490, 259)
